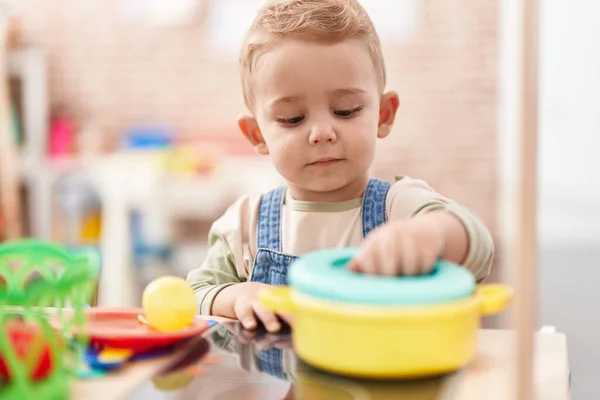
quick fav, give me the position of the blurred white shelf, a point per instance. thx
(28, 65)
(194, 197)
(136, 180)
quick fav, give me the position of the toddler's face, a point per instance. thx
(319, 111)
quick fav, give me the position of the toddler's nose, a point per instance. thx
(322, 134)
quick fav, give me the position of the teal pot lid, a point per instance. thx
(324, 274)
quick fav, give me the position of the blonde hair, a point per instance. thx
(314, 20)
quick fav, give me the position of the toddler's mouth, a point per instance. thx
(322, 162)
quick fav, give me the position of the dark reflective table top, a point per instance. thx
(258, 365)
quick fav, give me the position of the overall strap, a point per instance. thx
(374, 211)
(269, 220)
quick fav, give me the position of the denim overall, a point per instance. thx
(271, 264)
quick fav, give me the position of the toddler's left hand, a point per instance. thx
(406, 247)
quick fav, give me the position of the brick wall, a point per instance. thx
(446, 76)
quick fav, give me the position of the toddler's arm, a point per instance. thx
(220, 283)
(217, 272)
(424, 226)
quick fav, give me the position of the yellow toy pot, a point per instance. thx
(383, 327)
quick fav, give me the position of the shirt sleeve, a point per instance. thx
(227, 260)
(216, 273)
(410, 197)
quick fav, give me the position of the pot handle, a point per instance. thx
(494, 298)
(277, 299)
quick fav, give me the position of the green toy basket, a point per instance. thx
(44, 289)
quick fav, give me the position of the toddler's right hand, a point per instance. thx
(248, 309)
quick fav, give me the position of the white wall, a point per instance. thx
(569, 121)
(569, 137)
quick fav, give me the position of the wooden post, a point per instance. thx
(526, 243)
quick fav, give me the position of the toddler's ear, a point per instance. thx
(387, 113)
(251, 131)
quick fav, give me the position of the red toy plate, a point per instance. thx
(120, 328)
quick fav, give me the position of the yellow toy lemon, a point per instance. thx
(169, 304)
